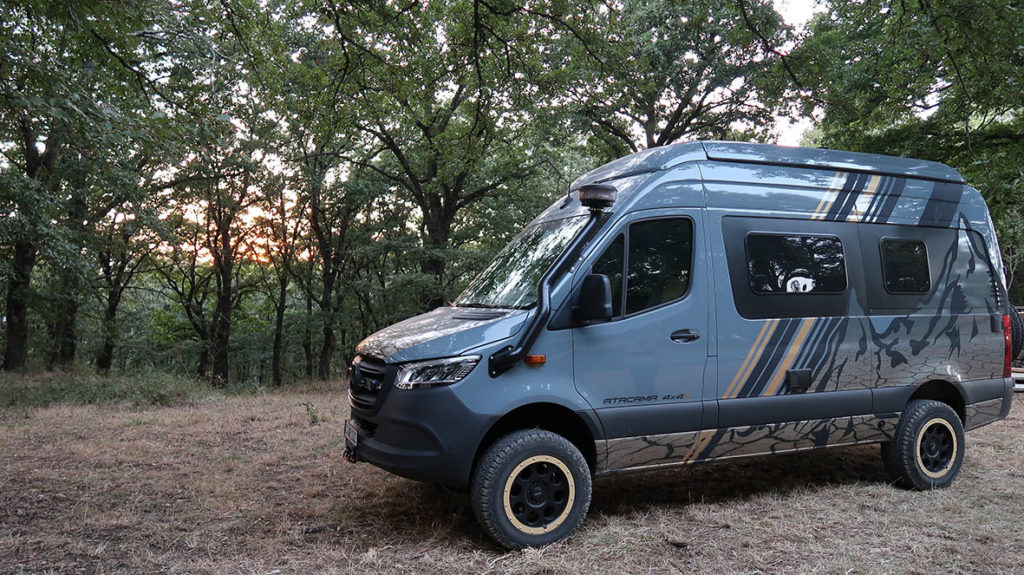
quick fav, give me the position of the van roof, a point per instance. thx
(665, 157)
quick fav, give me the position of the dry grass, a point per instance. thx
(251, 485)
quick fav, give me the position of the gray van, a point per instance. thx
(699, 302)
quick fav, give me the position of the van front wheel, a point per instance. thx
(927, 449)
(531, 488)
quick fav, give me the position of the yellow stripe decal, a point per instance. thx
(865, 198)
(791, 353)
(752, 357)
(830, 196)
(703, 438)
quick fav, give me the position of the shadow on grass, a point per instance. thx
(406, 512)
(737, 479)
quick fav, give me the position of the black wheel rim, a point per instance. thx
(539, 494)
(938, 446)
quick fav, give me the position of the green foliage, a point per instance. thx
(139, 389)
(654, 73)
(271, 182)
(311, 413)
(942, 81)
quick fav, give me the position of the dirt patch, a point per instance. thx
(257, 485)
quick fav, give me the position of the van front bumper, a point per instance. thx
(426, 435)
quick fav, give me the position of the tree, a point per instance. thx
(647, 74)
(932, 80)
(70, 89)
(442, 112)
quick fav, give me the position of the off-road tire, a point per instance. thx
(927, 450)
(558, 479)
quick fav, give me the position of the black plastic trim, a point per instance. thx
(800, 407)
(507, 357)
(656, 419)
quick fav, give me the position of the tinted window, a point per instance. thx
(660, 252)
(905, 266)
(795, 264)
(612, 263)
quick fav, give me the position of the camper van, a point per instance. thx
(699, 302)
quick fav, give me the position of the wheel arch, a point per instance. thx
(549, 417)
(943, 391)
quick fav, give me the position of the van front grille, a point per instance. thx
(367, 379)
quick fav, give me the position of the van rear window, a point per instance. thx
(793, 264)
(905, 266)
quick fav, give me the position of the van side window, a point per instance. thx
(660, 256)
(783, 263)
(905, 266)
(611, 263)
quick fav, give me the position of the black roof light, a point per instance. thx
(597, 196)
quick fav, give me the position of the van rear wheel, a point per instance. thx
(927, 449)
(531, 488)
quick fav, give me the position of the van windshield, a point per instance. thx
(510, 281)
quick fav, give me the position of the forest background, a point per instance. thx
(238, 192)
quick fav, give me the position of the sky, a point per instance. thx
(796, 13)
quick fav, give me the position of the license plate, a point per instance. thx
(351, 435)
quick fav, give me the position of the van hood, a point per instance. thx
(443, 332)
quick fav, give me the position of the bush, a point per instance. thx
(87, 388)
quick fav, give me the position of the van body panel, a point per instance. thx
(656, 451)
(552, 382)
(652, 160)
(442, 332)
(630, 369)
(833, 159)
(790, 356)
(835, 195)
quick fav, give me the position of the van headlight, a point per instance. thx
(435, 372)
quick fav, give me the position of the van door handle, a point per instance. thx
(685, 335)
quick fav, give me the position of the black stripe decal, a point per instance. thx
(847, 198)
(820, 325)
(822, 351)
(891, 199)
(828, 354)
(942, 205)
(766, 365)
(876, 199)
(712, 444)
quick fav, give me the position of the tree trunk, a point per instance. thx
(279, 330)
(436, 242)
(326, 352)
(222, 325)
(327, 313)
(105, 357)
(16, 352)
(65, 303)
(63, 334)
(307, 338)
(203, 364)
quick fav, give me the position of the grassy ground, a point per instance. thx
(256, 484)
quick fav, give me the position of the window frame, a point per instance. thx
(625, 232)
(734, 228)
(746, 255)
(927, 265)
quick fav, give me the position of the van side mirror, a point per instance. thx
(595, 303)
